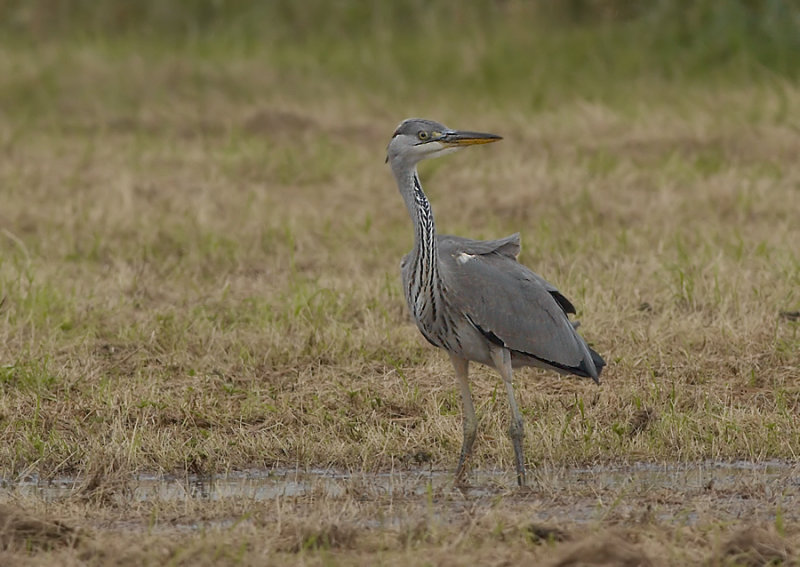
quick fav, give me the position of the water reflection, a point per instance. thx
(772, 477)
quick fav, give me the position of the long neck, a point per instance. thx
(424, 278)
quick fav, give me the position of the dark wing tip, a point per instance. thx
(584, 370)
(563, 302)
(598, 363)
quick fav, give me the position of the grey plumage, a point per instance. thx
(472, 298)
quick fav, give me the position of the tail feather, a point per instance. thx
(599, 363)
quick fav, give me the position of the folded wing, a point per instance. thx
(512, 306)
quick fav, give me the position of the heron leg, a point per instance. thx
(469, 420)
(502, 361)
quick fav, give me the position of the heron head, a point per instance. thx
(416, 139)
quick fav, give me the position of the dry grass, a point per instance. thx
(230, 297)
(369, 525)
(199, 272)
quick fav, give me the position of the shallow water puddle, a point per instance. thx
(273, 483)
(704, 475)
(685, 492)
(682, 492)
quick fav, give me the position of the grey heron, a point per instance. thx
(473, 299)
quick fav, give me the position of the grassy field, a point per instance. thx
(199, 273)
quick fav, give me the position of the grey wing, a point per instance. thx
(509, 246)
(512, 306)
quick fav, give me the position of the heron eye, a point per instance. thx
(422, 135)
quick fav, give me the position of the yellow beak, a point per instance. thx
(464, 138)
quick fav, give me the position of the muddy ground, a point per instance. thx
(643, 514)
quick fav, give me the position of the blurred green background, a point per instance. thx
(529, 54)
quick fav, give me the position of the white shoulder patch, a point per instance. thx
(463, 258)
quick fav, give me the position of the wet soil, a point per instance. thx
(666, 493)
